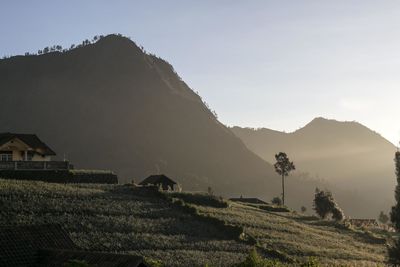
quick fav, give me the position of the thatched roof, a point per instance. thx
(157, 179)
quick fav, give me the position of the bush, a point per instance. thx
(383, 218)
(337, 214)
(201, 199)
(277, 201)
(255, 260)
(324, 204)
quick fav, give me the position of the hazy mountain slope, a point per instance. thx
(109, 105)
(346, 154)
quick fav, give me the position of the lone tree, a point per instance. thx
(303, 209)
(283, 167)
(394, 252)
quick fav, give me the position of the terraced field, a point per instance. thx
(118, 218)
(183, 229)
(300, 237)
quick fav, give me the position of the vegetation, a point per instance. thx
(324, 204)
(294, 238)
(118, 218)
(283, 167)
(383, 217)
(394, 251)
(168, 230)
(277, 201)
(303, 209)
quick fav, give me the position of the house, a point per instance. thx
(27, 152)
(23, 147)
(160, 180)
(49, 245)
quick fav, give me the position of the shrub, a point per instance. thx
(383, 218)
(303, 209)
(337, 214)
(201, 199)
(277, 201)
(255, 260)
(324, 204)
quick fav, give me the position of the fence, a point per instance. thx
(35, 165)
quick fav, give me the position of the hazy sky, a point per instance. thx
(275, 64)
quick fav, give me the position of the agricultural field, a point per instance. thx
(117, 218)
(297, 237)
(185, 229)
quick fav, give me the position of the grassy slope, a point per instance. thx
(119, 218)
(300, 237)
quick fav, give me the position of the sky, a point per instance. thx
(257, 63)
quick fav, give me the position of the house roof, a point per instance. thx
(19, 244)
(252, 200)
(30, 139)
(57, 257)
(157, 179)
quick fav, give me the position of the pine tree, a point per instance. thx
(283, 167)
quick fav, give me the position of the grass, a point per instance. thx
(185, 229)
(299, 237)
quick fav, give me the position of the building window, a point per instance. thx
(6, 156)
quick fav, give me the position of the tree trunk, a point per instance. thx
(283, 190)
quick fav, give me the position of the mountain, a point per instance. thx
(109, 105)
(346, 154)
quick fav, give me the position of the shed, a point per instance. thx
(160, 180)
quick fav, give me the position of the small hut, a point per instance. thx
(160, 180)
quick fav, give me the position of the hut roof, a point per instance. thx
(157, 179)
(19, 244)
(57, 257)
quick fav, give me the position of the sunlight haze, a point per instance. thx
(267, 64)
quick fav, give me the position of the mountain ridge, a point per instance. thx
(347, 154)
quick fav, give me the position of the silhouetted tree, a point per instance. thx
(395, 213)
(276, 201)
(283, 167)
(394, 251)
(40, 52)
(324, 204)
(58, 47)
(46, 50)
(383, 218)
